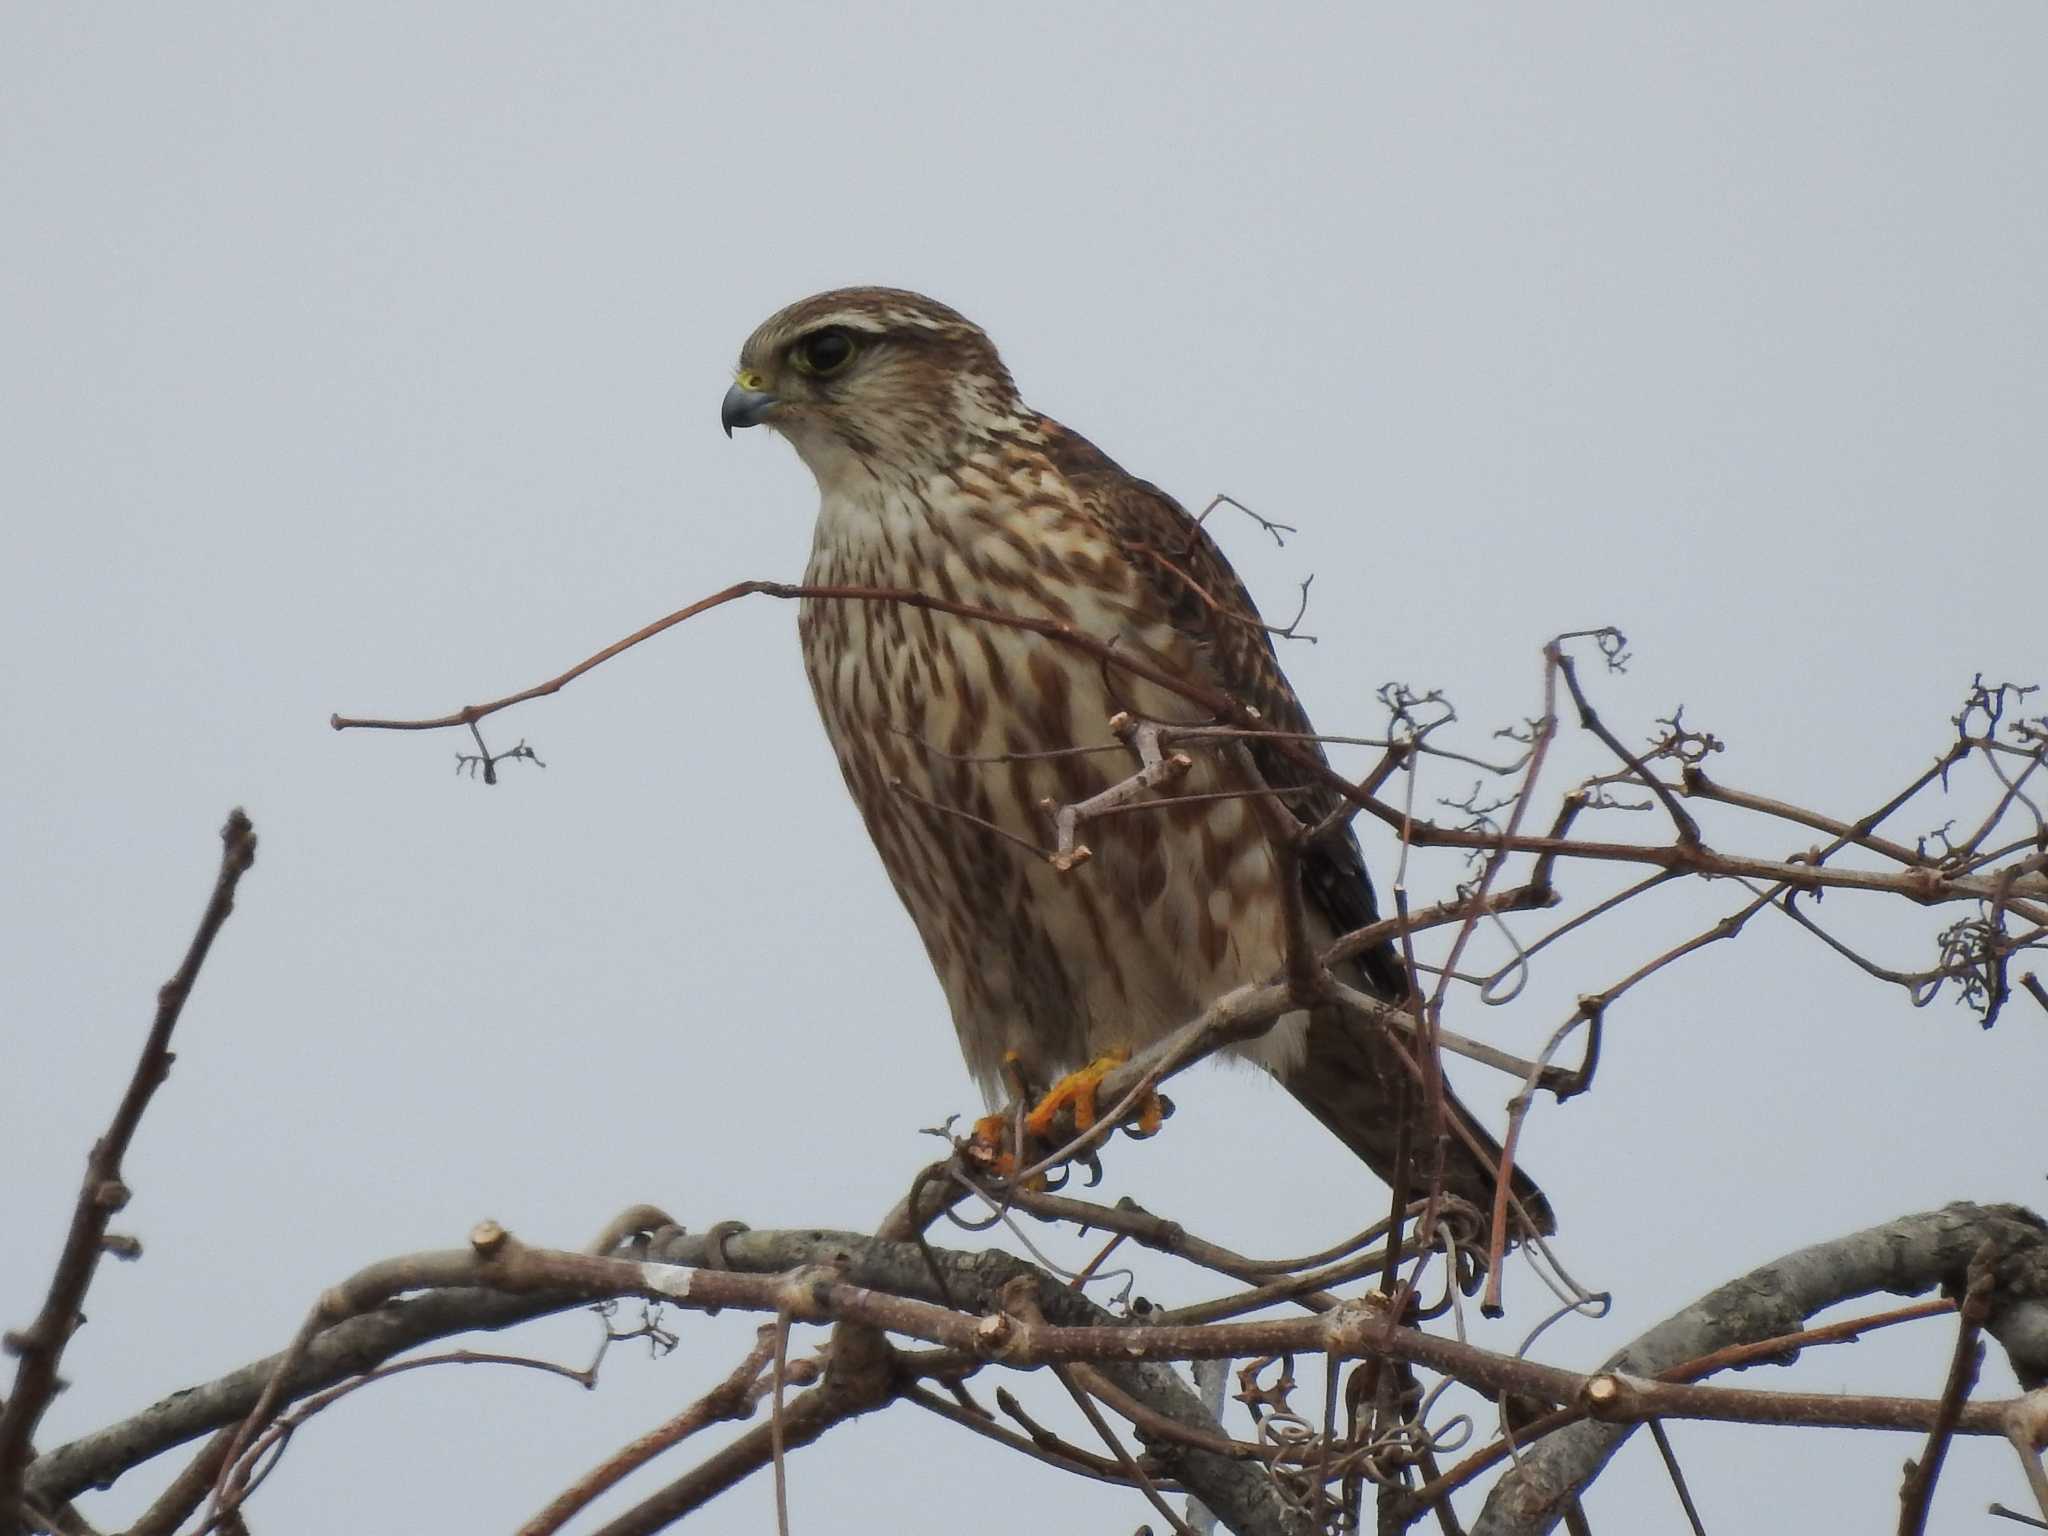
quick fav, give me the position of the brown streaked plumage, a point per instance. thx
(934, 475)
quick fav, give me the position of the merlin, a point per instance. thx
(955, 734)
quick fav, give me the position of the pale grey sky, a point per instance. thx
(367, 358)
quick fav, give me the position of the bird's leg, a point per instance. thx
(1002, 1133)
(1003, 1139)
(1077, 1089)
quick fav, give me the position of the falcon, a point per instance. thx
(954, 733)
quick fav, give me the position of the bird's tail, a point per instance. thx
(1351, 1081)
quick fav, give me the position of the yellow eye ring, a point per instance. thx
(823, 353)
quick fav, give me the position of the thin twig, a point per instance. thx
(775, 1428)
(1786, 1345)
(1671, 1466)
(1589, 718)
(1068, 1458)
(730, 1399)
(1917, 1494)
(1124, 1458)
(188, 1490)
(1686, 855)
(858, 1378)
(41, 1345)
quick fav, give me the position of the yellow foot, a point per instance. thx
(1151, 1115)
(1078, 1089)
(989, 1146)
(992, 1143)
(991, 1130)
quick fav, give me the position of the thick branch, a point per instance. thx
(892, 1285)
(1907, 1256)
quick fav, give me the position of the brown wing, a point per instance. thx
(1204, 597)
(1350, 1082)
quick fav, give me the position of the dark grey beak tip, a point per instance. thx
(744, 407)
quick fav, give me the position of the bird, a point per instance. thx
(954, 734)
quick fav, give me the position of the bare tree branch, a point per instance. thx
(1912, 1254)
(1917, 1496)
(858, 1378)
(888, 1286)
(732, 1398)
(41, 1346)
(1307, 1468)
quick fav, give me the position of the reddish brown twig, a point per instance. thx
(1785, 1345)
(1917, 1493)
(1544, 732)
(732, 1398)
(1137, 1474)
(1589, 718)
(251, 1469)
(1110, 655)
(41, 1345)
(1040, 1444)
(857, 1379)
(1503, 1193)
(187, 1490)
(1685, 856)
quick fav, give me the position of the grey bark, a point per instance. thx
(1241, 1493)
(1907, 1257)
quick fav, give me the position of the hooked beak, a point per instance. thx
(745, 407)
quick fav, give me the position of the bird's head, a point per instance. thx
(864, 381)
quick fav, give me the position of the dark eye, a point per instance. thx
(825, 351)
